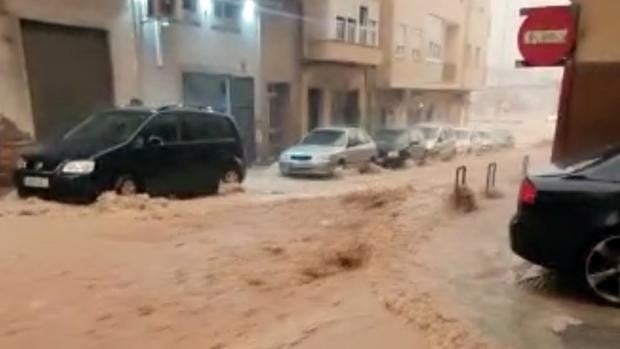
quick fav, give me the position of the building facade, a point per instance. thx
(434, 55)
(61, 60)
(341, 53)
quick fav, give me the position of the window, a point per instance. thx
(372, 33)
(354, 139)
(341, 28)
(227, 14)
(363, 15)
(351, 30)
(363, 18)
(434, 51)
(164, 126)
(194, 127)
(435, 37)
(190, 5)
(201, 126)
(416, 44)
(401, 40)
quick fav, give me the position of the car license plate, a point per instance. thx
(37, 182)
(393, 154)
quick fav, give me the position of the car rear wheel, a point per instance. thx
(233, 175)
(602, 269)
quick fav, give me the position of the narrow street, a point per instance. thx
(350, 262)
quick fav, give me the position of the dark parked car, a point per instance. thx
(569, 220)
(396, 146)
(170, 151)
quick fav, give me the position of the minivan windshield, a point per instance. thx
(108, 128)
(334, 138)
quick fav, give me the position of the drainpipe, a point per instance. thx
(159, 54)
(137, 15)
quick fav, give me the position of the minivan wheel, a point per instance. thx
(231, 176)
(602, 269)
(126, 186)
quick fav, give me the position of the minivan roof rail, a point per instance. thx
(181, 106)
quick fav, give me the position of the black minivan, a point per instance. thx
(172, 151)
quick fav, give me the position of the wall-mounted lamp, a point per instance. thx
(249, 10)
(206, 6)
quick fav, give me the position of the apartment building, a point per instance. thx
(60, 60)
(341, 53)
(434, 55)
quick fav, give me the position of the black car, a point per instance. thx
(396, 146)
(170, 151)
(569, 220)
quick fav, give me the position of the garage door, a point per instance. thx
(69, 74)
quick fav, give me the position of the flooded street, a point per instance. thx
(357, 261)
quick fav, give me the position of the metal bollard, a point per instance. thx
(491, 178)
(525, 167)
(461, 178)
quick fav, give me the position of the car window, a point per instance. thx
(364, 137)
(442, 136)
(416, 137)
(201, 126)
(194, 127)
(354, 138)
(164, 126)
(449, 133)
(602, 169)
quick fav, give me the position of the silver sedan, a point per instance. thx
(324, 151)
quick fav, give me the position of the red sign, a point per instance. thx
(547, 36)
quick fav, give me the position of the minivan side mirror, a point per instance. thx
(155, 141)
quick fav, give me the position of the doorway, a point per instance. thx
(315, 104)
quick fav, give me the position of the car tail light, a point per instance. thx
(528, 192)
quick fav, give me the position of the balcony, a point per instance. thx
(343, 52)
(345, 42)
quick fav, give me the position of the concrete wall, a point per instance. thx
(465, 21)
(111, 15)
(282, 60)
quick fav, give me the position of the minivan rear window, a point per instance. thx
(202, 126)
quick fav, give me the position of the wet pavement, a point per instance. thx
(516, 303)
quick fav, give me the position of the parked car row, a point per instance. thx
(326, 151)
(184, 151)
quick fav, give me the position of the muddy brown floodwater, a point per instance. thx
(342, 266)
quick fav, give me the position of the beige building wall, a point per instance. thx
(337, 65)
(136, 69)
(111, 15)
(433, 56)
(599, 20)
